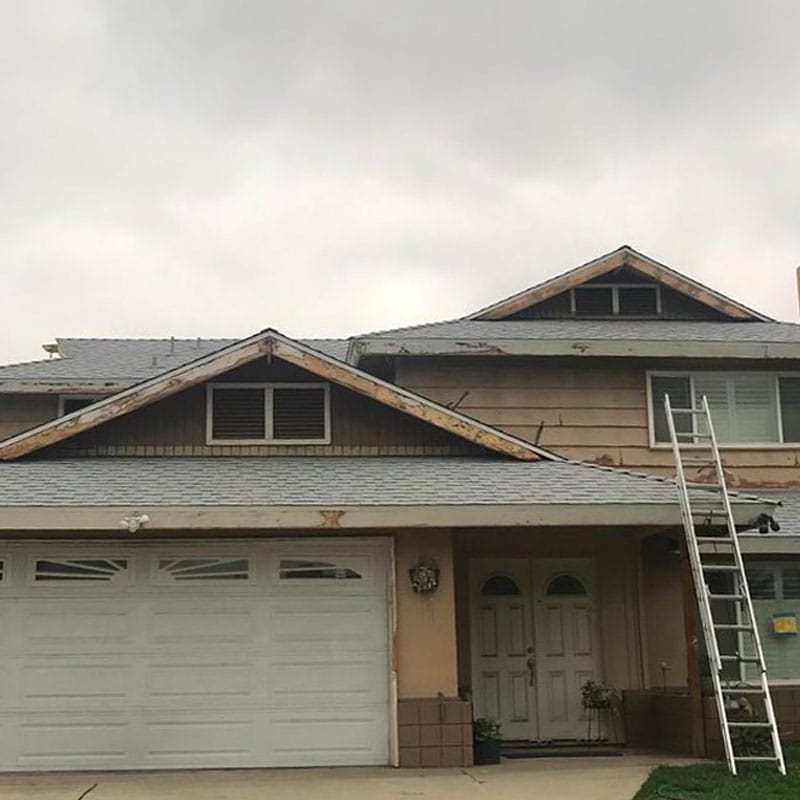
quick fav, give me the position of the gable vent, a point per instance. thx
(594, 302)
(638, 301)
(298, 414)
(239, 413)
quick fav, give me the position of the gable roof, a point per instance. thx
(109, 365)
(624, 256)
(269, 343)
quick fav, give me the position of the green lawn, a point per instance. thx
(714, 782)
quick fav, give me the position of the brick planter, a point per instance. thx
(435, 732)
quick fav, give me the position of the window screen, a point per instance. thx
(790, 408)
(762, 582)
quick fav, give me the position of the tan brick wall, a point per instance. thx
(435, 732)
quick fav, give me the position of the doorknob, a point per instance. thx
(531, 664)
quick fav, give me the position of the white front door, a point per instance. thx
(534, 644)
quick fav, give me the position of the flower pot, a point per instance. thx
(486, 752)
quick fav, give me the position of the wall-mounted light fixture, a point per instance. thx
(424, 577)
(134, 522)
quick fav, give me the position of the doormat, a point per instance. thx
(558, 750)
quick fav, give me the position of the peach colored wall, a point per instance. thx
(663, 611)
(619, 606)
(425, 645)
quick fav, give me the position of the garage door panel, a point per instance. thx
(76, 682)
(60, 741)
(200, 738)
(321, 739)
(194, 622)
(190, 679)
(321, 620)
(77, 626)
(321, 683)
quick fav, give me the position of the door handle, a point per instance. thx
(531, 663)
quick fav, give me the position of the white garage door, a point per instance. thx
(120, 656)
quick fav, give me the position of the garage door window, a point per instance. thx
(311, 569)
(2, 569)
(82, 569)
(198, 570)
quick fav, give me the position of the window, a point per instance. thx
(69, 403)
(79, 569)
(602, 300)
(565, 585)
(271, 413)
(499, 586)
(311, 569)
(746, 407)
(773, 581)
(192, 570)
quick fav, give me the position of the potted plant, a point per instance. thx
(597, 698)
(486, 741)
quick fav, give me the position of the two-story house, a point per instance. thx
(272, 552)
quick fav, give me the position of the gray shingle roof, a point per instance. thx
(323, 482)
(601, 330)
(123, 362)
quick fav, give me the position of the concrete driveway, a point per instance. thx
(552, 778)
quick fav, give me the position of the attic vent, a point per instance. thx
(298, 413)
(239, 414)
(594, 302)
(258, 413)
(616, 301)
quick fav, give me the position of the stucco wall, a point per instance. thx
(425, 646)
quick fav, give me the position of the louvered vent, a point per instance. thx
(239, 414)
(639, 301)
(298, 414)
(594, 302)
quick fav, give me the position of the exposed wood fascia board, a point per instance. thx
(269, 343)
(135, 397)
(18, 520)
(403, 400)
(578, 347)
(35, 387)
(625, 256)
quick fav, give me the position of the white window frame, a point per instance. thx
(615, 287)
(268, 406)
(690, 374)
(62, 397)
(777, 568)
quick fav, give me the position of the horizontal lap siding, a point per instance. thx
(592, 411)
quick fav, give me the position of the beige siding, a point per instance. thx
(18, 412)
(588, 409)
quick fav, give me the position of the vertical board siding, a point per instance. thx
(176, 426)
(19, 412)
(589, 410)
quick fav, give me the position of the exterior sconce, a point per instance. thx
(134, 522)
(424, 577)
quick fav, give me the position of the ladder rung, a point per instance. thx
(693, 435)
(726, 597)
(714, 540)
(725, 690)
(749, 724)
(742, 659)
(688, 411)
(755, 758)
(697, 485)
(719, 568)
(698, 460)
(724, 626)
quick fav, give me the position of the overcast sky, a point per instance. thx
(216, 167)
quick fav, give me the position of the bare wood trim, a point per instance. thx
(577, 347)
(260, 518)
(624, 256)
(269, 343)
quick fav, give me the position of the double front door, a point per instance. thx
(534, 643)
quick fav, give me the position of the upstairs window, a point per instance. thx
(602, 300)
(746, 407)
(268, 413)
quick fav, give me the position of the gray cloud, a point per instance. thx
(211, 168)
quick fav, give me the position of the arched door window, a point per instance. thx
(565, 585)
(499, 586)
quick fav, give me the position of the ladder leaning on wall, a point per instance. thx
(730, 628)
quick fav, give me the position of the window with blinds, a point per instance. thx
(746, 407)
(271, 413)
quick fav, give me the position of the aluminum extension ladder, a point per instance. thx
(730, 628)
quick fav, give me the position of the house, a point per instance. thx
(274, 552)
